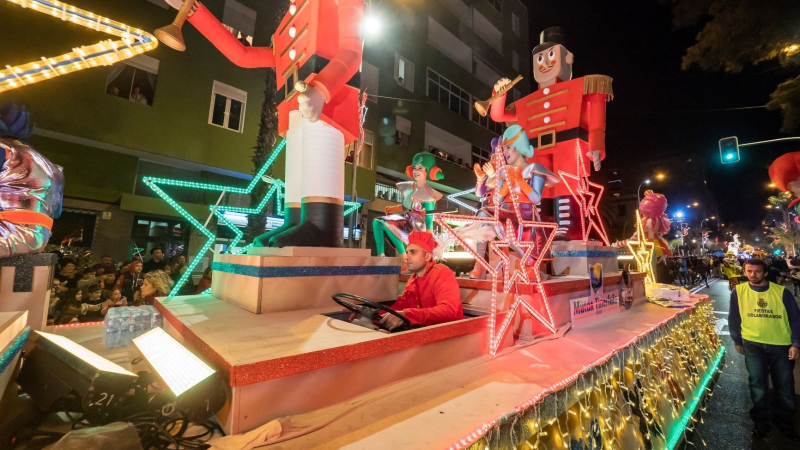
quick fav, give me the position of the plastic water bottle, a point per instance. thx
(111, 338)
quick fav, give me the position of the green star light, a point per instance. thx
(219, 211)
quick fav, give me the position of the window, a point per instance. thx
(488, 123)
(240, 21)
(402, 135)
(369, 80)
(497, 4)
(134, 79)
(480, 156)
(441, 90)
(227, 107)
(366, 157)
(404, 72)
(515, 60)
(515, 24)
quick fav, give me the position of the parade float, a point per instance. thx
(557, 348)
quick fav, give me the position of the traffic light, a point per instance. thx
(729, 150)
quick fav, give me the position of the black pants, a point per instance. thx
(765, 361)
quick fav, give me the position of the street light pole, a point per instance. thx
(647, 181)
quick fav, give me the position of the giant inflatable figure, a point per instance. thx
(655, 223)
(31, 187)
(419, 202)
(316, 52)
(526, 181)
(564, 119)
(785, 173)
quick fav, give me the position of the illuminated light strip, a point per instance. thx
(468, 440)
(509, 280)
(687, 414)
(211, 237)
(277, 186)
(590, 211)
(79, 324)
(454, 198)
(104, 53)
(644, 254)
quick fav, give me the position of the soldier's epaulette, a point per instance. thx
(598, 84)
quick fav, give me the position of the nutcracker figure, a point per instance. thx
(565, 121)
(316, 54)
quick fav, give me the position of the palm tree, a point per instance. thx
(788, 238)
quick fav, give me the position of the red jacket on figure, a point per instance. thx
(432, 298)
(320, 33)
(559, 118)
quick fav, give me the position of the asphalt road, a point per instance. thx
(726, 423)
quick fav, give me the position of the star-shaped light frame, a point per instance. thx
(105, 53)
(587, 194)
(220, 209)
(512, 277)
(643, 251)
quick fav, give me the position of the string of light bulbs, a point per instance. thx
(133, 42)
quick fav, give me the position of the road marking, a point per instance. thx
(722, 323)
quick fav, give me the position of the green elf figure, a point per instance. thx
(419, 202)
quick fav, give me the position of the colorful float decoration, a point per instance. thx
(655, 223)
(419, 201)
(31, 187)
(784, 172)
(565, 120)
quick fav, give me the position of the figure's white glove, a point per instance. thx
(500, 84)
(310, 103)
(178, 3)
(595, 157)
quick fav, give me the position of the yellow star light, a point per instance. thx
(643, 253)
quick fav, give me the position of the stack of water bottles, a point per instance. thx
(125, 323)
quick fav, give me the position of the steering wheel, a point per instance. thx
(340, 297)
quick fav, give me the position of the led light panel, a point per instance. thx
(86, 355)
(173, 362)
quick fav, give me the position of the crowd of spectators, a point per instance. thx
(86, 294)
(694, 271)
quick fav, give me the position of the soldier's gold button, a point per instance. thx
(546, 91)
(546, 105)
(547, 119)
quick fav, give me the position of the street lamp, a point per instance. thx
(660, 176)
(695, 204)
(646, 181)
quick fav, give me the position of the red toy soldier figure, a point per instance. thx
(563, 119)
(316, 53)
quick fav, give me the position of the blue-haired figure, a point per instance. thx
(526, 181)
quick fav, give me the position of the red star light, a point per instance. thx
(513, 277)
(587, 194)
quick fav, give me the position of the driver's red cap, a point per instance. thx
(422, 238)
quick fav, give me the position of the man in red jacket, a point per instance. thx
(431, 295)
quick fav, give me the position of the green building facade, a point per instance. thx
(195, 116)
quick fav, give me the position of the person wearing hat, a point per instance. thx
(564, 119)
(419, 201)
(431, 295)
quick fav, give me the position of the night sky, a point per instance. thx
(634, 42)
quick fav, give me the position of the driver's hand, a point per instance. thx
(363, 311)
(390, 321)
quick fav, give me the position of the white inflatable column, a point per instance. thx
(294, 160)
(323, 164)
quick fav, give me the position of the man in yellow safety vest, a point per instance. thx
(764, 321)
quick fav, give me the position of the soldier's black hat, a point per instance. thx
(549, 37)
